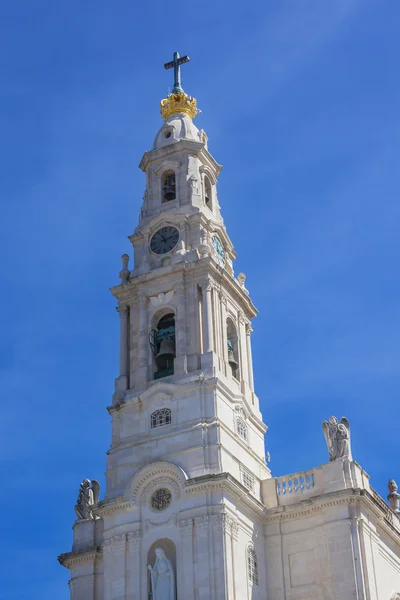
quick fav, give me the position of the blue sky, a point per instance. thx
(300, 102)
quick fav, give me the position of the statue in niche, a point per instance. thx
(193, 185)
(162, 582)
(337, 436)
(88, 496)
(394, 496)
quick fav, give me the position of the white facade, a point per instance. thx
(186, 470)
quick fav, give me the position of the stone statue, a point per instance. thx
(162, 577)
(394, 496)
(337, 436)
(124, 273)
(88, 496)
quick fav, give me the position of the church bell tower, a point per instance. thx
(187, 458)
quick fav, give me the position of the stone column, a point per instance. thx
(123, 340)
(207, 317)
(224, 337)
(250, 356)
(243, 352)
(133, 569)
(121, 383)
(185, 569)
(181, 333)
(142, 345)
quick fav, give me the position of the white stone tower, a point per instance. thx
(191, 511)
(187, 452)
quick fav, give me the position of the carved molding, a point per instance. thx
(186, 526)
(201, 523)
(133, 538)
(115, 545)
(155, 525)
(147, 476)
(162, 298)
(123, 309)
(71, 559)
(225, 523)
(104, 509)
(158, 483)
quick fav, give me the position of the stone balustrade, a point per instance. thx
(330, 477)
(295, 484)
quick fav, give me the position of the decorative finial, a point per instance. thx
(177, 101)
(124, 273)
(242, 280)
(394, 496)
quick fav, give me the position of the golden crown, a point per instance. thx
(178, 103)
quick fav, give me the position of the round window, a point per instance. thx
(160, 499)
(167, 134)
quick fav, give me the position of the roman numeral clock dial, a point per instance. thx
(164, 240)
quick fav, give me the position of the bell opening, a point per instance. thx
(232, 360)
(169, 187)
(162, 342)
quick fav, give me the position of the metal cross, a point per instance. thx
(176, 63)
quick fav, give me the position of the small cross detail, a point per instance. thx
(176, 64)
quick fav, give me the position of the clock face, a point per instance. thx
(219, 248)
(164, 240)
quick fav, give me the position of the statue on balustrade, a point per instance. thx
(337, 436)
(88, 496)
(162, 582)
(394, 496)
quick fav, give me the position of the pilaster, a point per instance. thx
(186, 559)
(114, 551)
(133, 570)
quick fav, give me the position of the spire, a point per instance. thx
(177, 101)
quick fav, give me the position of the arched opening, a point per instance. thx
(241, 427)
(233, 354)
(168, 186)
(162, 343)
(160, 417)
(207, 193)
(161, 577)
(252, 566)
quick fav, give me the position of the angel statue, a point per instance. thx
(161, 577)
(87, 497)
(337, 436)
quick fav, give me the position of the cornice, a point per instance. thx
(312, 505)
(224, 482)
(105, 508)
(71, 559)
(151, 156)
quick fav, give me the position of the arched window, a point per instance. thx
(207, 193)
(241, 428)
(160, 417)
(168, 186)
(162, 343)
(252, 566)
(233, 357)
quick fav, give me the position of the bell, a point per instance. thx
(165, 355)
(231, 360)
(169, 190)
